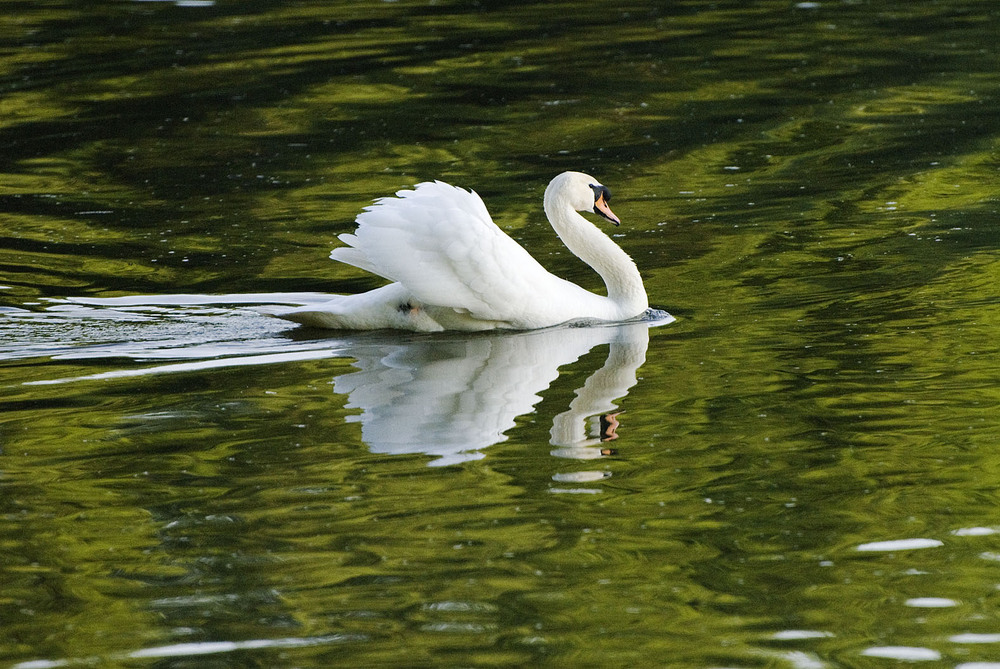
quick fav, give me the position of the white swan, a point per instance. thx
(452, 268)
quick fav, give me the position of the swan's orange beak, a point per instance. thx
(601, 207)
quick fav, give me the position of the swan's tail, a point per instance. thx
(388, 307)
(314, 316)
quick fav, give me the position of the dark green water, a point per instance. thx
(806, 464)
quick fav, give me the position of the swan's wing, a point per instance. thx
(440, 242)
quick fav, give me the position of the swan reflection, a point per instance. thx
(451, 397)
(443, 395)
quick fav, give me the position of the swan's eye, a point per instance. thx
(599, 191)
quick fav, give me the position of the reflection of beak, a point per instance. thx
(609, 426)
(601, 207)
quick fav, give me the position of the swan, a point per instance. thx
(452, 268)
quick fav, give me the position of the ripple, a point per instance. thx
(904, 653)
(974, 531)
(975, 638)
(213, 647)
(201, 648)
(459, 606)
(179, 367)
(795, 635)
(580, 477)
(931, 602)
(457, 627)
(899, 545)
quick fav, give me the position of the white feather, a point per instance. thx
(452, 268)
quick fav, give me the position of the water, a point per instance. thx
(798, 472)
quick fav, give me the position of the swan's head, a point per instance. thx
(583, 193)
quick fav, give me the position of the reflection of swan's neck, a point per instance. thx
(593, 247)
(602, 388)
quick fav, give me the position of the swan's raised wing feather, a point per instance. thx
(440, 242)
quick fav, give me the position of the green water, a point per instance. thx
(806, 464)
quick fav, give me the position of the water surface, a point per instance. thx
(800, 471)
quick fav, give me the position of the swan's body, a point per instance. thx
(452, 268)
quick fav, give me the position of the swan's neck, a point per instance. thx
(595, 248)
